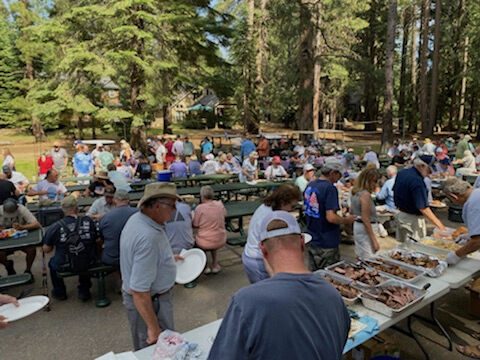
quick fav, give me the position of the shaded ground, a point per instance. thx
(79, 331)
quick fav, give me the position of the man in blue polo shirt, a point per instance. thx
(411, 198)
(247, 147)
(323, 223)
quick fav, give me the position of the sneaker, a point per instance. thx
(59, 297)
(84, 296)
(10, 268)
(216, 269)
(207, 271)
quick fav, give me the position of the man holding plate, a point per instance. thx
(148, 265)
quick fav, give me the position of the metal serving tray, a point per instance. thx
(434, 272)
(382, 308)
(418, 271)
(343, 280)
(342, 263)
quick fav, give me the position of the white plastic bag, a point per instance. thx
(169, 345)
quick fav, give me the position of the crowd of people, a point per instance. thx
(143, 243)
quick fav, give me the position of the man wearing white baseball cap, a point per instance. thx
(308, 175)
(323, 222)
(262, 317)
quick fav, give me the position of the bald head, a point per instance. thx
(391, 171)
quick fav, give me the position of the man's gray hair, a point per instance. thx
(207, 192)
(392, 170)
(455, 186)
(419, 162)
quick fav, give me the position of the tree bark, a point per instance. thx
(412, 114)
(472, 117)
(305, 95)
(371, 103)
(426, 128)
(463, 89)
(261, 49)
(166, 118)
(317, 69)
(248, 110)
(387, 133)
(435, 64)
(403, 69)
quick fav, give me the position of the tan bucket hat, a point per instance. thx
(159, 189)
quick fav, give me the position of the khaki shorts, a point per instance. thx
(408, 225)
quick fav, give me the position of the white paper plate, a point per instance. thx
(191, 267)
(438, 206)
(307, 238)
(27, 307)
(253, 182)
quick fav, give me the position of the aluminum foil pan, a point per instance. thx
(380, 307)
(343, 280)
(343, 263)
(432, 272)
(387, 261)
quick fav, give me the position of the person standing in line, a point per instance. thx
(147, 265)
(8, 159)
(177, 147)
(83, 164)
(60, 157)
(188, 147)
(247, 147)
(45, 163)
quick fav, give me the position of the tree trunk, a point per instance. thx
(317, 69)
(472, 117)
(305, 95)
(426, 128)
(249, 110)
(436, 64)
(261, 49)
(463, 89)
(412, 115)
(371, 103)
(166, 118)
(403, 69)
(387, 133)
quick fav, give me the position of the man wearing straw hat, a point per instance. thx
(148, 265)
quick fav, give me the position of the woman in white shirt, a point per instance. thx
(284, 198)
(468, 164)
(249, 168)
(210, 166)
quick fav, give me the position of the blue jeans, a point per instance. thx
(58, 284)
(254, 268)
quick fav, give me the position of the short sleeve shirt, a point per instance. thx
(251, 168)
(21, 216)
(179, 229)
(471, 213)
(51, 188)
(319, 197)
(59, 158)
(146, 258)
(410, 192)
(100, 207)
(272, 173)
(97, 188)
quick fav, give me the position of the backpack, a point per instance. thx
(78, 251)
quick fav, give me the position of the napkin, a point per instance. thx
(370, 331)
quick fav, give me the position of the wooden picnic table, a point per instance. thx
(33, 238)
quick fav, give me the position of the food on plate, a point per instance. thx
(360, 274)
(395, 297)
(392, 269)
(442, 244)
(6, 233)
(422, 261)
(344, 289)
(436, 203)
(460, 231)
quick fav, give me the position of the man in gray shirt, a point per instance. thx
(148, 265)
(59, 156)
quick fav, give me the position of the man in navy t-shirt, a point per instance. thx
(292, 315)
(323, 223)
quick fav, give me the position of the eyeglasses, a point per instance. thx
(172, 206)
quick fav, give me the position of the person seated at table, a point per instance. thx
(295, 162)
(262, 317)
(393, 151)
(399, 159)
(415, 152)
(223, 167)
(209, 167)
(286, 198)
(443, 168)
(209, 222)
(275, 170)
(178, 168)
(7, 189)
(370, 157)
(365, 228)
(462, 146)
(249, 168)
(428, 147)
(50, 189)
(55, 238)
(98, 185)
(103, 205)
(123, 168)
(179, 229)
(144, 169)
(348, 160)
(17, 216)
(308, 175)
(194, 167)
(386, 192)
(17, 178)
(45, 163)
(118, 179)
(468, 164)
(450, 143)
(234, 164)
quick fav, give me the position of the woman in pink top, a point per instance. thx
(209, 220)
